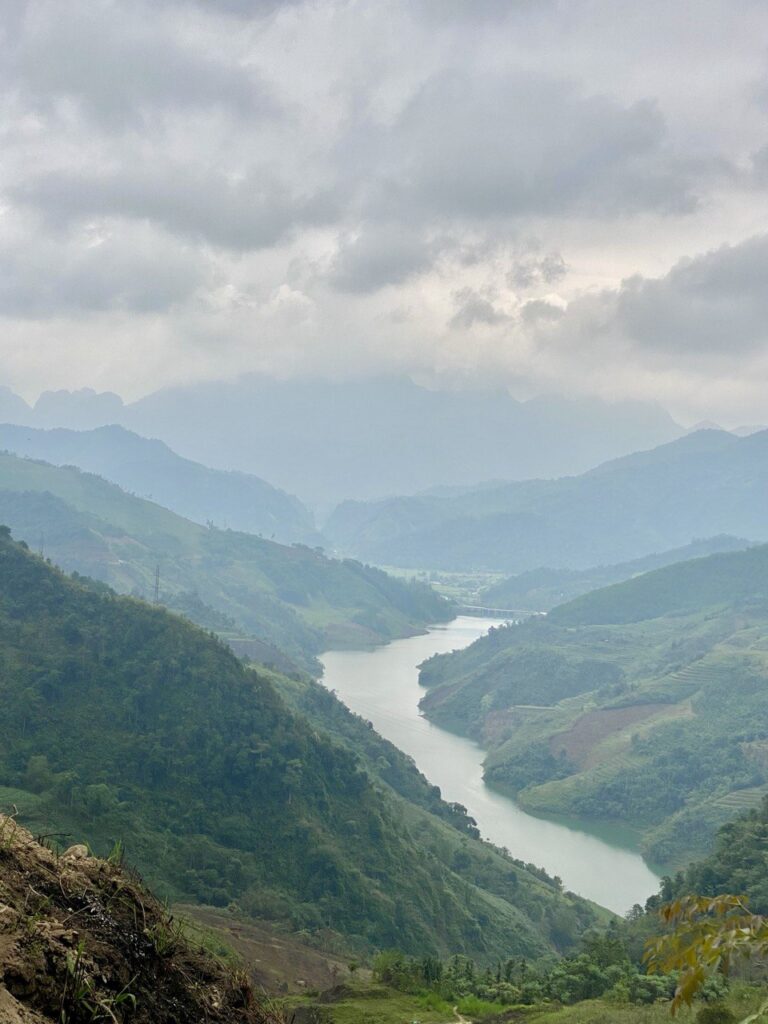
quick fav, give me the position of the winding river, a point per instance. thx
(382, 686)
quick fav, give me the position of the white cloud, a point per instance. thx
(498, 191)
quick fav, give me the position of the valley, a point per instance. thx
(383, 512)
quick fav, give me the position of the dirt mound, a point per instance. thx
(81, 940)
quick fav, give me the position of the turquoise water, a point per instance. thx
(382, 686)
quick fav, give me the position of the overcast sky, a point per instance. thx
(561, 197)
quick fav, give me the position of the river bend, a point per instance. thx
(382, 686)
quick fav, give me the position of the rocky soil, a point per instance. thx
(81, 940)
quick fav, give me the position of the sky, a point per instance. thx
(555, 197)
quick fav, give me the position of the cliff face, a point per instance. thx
(82, 940)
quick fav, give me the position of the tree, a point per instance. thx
(707, 935)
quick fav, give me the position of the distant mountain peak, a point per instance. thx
(704, 425)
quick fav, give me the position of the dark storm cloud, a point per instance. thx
(380, 256)
(529, 271)
(246, 9)
(281, 179)
(253, 212)
(715, 303)
(485, 146)
(123, 63)
(474, 308)
(136, 272)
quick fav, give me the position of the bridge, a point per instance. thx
(481, 612)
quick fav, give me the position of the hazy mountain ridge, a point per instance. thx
(543, 589)
(292, 597)
(331, 440)
(701, 485)
(149, 469)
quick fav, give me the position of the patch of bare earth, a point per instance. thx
(593, 728)
(276, 961)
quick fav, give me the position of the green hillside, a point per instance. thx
(292, 597)
(721, 579)
(643, 703)
(707, 483)
(125, 723)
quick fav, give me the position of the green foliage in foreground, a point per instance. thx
(599, 986)
(602, 969)
(124, 722)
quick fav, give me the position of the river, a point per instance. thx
(382, 686)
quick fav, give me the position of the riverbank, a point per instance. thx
(382, 686)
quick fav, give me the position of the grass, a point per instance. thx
(379, 1005)
(742, 1000)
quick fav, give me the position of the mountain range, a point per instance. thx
(701, 485)
(330, 440)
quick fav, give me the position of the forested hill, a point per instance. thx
(682, 588)
(148, 468)
(291, 597)
(124, 722)
(643, 703)
(707, 483)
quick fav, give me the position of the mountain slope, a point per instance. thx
(642, 703)
(701, 485)
(122, 721)
(292, 597)
(150, 469)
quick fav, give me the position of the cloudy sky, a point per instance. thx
(557, 196)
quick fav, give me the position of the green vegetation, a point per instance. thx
(720, 579)
(125, 723)
(701, 485)
(643, 703)
(599, 985)
(292, 597)
(736, 863)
